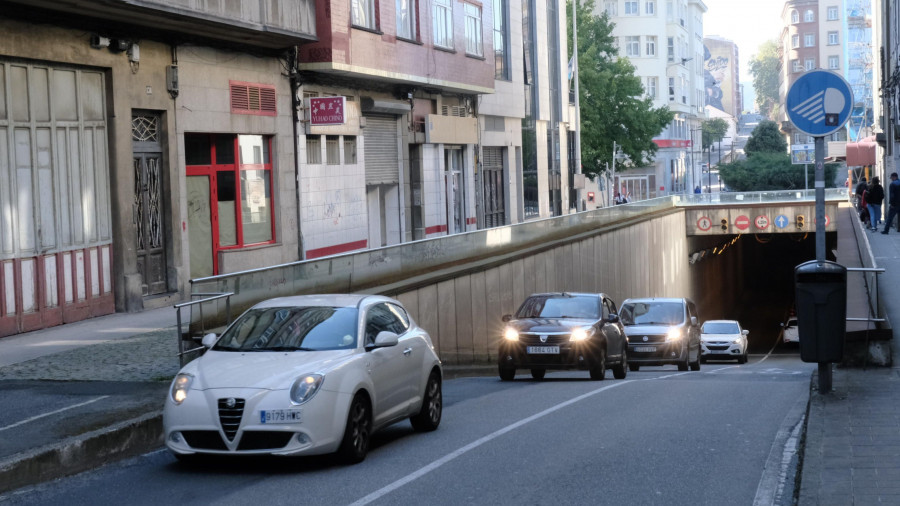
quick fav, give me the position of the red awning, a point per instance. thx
(861, 153)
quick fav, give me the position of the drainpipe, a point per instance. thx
(296, 104)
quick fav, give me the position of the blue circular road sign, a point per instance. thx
(819, 103)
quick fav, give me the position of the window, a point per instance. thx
(810, 63)
(809, 16)
(795, 41)
(332, 150)
(313, 149)
(650, 8)
(795, 66)
(501, 60)
(632, 8)
(671, 50)
(239, 169)
(473, 30)
(443, 23)
(671, 89)
(795, 17)
(832, 13)
(632, 45)
(362, 13)
(833, 39)
(651, 46)
(349, 150)
(809, 40)
(651, 87)
(612, 8)
(385, 317)
(406, 19)
(834, 62)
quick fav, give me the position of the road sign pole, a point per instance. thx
(806, 176)
(824, 367)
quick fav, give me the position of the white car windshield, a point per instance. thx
(292, 329)
(652, 313)
(719, 328)
(560, 306)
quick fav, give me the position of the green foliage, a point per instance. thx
(765, 138)
(764, 66)
(714, 130)
(771, 171)
(613, 106)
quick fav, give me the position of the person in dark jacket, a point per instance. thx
(893, 202)
(861, 187)
(874, 198)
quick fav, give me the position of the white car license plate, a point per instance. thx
(543, 350)
(279, 416)
(645, 349)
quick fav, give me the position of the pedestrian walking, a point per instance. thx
(893, 202)
(861, 187)
(874, 198)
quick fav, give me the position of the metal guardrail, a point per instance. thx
(873, 307)
(207, 297)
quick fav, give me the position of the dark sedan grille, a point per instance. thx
(230, 417)
(639, 338)
(264, 440)
(204, 439)
(535, 339)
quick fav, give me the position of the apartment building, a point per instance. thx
(664, 41)
(886, 51)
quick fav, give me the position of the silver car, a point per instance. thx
(723, 340)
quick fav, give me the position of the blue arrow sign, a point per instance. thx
(781, 221)
(819, 103)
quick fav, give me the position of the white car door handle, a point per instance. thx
(407, 351)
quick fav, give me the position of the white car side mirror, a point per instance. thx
(385, 339)
(694, 321)
(209, 340)
(745, 332)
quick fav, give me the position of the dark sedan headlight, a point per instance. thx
(305, 387)
(511, 334)
(581, 334)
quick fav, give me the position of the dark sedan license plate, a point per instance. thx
(645, 349)
(543, 350)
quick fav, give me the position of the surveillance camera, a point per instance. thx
(98, 41)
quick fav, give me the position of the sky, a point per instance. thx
(748, 23)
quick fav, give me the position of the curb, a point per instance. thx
(81, 453)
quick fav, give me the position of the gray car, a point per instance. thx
(661, 331)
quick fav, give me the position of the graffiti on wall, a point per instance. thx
(719, 76)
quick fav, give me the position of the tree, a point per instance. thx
(765, 138)
(713, 130)
(764, 66)
(613, 105)
(769, 171)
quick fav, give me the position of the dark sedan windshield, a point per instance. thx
(560, 306)
(652, 313)
(719, 328)
(292, 329)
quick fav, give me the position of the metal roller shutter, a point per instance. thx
(382, 160)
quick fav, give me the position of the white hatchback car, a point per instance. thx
(723, 340)
(790, 333)
(305, 375)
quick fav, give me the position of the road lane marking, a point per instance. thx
(374, 496)
(38, 417)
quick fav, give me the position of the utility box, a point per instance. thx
(821, 302)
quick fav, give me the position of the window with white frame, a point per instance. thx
(834, 62)
(650, 8)
(349, 149)
(833, 39)
(473, 30)
(809, 39)
(795, 17)
(362, 13)
(632, 45)
(442, 21)
(809, 16)
(651, 86)
(612, 8)
(406, 19)
(810, 63)
(795, 66)
(632, 8)
(670, 10)
(798, 138)
(501, 38)
(333, 149)
(671, 89)
(795, 41)
(671, 49)
(651, 45)
(832, 13)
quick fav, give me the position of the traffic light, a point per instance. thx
(801, 221)
(724, 224)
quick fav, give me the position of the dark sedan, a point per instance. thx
(564, 331)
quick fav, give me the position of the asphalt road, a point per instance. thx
(723, 435)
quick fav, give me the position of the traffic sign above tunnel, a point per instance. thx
(819, 103)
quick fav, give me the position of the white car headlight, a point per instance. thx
(305, 388)
(674, 335)
(737, 340)
(511, 334)
(180, 386)
(581, 334)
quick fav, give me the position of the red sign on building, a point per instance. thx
(327, 111)
(742, 222)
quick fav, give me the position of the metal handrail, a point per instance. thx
(872, 310)
(208, 297)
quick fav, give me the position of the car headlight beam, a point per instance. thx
(305, 387)
(511, 334)
(674, 335)
(580, 334)
(180, 386)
